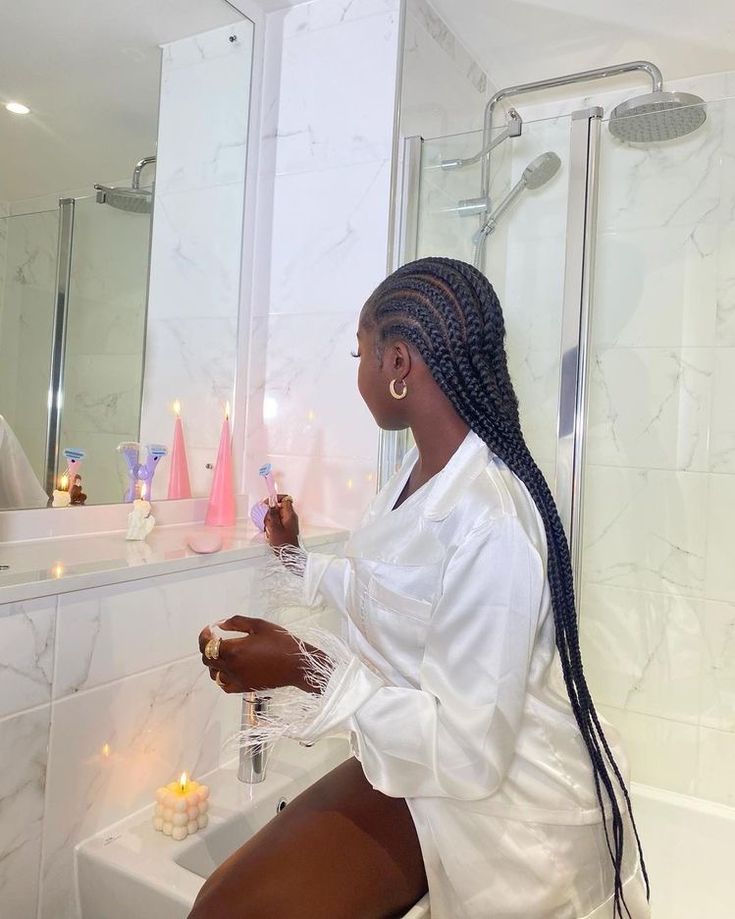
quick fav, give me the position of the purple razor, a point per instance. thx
(260, 508)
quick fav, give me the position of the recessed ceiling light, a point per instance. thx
(17, 108)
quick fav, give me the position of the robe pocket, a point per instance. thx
(400, 604)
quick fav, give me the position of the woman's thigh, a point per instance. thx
(341, 850)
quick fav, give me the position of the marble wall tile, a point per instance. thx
(305, 408)
(657, 288)
(320, 129)
(23, 745)
(329, 172)
(660, 752)
(109, 633)
(720, 571)
(192, 360)
(156, 724)
(26, 654)
(650, 407)
(102, 394)
(196, 245)
(645, 186)
(327, 230)
(203, 130)
(324, 14)
(722, 425)
(725, 329)
(718, 691)
(443, 88)
(715, 771)
(328, 491)
(644, 652)
(645, 529)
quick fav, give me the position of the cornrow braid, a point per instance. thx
(449, 312)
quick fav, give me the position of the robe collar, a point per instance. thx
(387, 535)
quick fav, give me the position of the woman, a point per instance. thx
(481, 766)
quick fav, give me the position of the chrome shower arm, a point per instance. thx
(513, 129)
(139, 167)
(582, 76)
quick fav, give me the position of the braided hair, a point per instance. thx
(449, 312)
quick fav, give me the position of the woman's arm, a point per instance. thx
(325, 576)
(455, 735)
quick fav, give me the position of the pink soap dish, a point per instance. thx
(204, 543)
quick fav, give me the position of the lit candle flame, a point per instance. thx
(143, 491)
(64, 482)
(183, 781)
(58, 570)
(177, 408)
(105, 750)
(227, 410)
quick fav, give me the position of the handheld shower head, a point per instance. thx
(539, 171)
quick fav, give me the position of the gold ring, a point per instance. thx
(218, 679)
(211, 649)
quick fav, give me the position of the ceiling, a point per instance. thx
(519, 42)
(89, 71)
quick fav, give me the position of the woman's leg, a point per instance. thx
(341, 850)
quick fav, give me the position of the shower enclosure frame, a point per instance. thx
(584, 145)
(58, 345)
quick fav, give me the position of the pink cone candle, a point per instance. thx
(221, 508)
(178, 478)
(181, 808)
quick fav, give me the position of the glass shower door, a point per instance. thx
(105, 339)
(28, 257)
(524, 256)
(657, 605)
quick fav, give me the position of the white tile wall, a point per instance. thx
(326, 158)
(659, 592)
(115, 665)
(444, 88)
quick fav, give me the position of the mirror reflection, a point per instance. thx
(95, 204)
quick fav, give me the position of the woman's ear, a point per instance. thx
(399, 364)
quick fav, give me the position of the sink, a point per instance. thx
(131, 870)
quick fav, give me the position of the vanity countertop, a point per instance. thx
(43, 567)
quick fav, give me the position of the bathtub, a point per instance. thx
(689, 847)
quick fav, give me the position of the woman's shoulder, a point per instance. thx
(497, 496)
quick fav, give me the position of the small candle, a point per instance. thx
(181, 808)
(61, 496)
(140, 520)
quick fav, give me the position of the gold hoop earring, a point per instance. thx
(393, 392)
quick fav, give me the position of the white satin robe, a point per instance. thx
(454, 699)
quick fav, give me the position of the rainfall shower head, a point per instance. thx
(657, 116)
(134, 199)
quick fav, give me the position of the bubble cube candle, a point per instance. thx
(181, 808)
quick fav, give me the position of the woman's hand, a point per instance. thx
(282, 523)
(269, 657)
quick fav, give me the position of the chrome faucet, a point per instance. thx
(253, 758)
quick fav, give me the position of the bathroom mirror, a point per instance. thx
(123, 131)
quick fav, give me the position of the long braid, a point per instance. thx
(450, 313)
